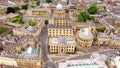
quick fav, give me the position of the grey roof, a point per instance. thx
(31, 29)
(62, 40)
(59, 27)
(31, 56)
(61, 18)
(115, 37)
(88, 23)
(103, 35)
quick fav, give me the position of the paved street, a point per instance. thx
(47, 63)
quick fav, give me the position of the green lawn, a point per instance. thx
(101, 30)
(19, 19)
(9, 32)
(40, 14)
(116, 27)
(33, 23)
(2, 29)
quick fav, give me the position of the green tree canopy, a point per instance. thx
(32, 6)
(46, 22)
(83, 16)
(48, 1)
(67, 1)
(25, 6)
(38, 2)
(33, 23)
(26, 0)
(19, 19)
(16, 8)
(93, 9)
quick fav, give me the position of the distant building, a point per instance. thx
(103, 38)
(25, 54)
(29, 30)
(113, 40)
(96, 61)
(114, 62)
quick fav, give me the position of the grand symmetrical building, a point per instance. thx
(62, 45)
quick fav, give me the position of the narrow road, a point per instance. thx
(47, 63)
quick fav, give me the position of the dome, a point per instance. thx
(59, 6)
(85, 34)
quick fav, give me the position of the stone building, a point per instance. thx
(62, 45)
(26, 54)
(57, 31)
(103, 38)
(59, 23)
(29, 30)
(113, 40)
(114, 62)
(84, 37)
(60, 32)
(3, 10)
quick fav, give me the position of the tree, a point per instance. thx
(10, 10)
(67, 2)
(83, 16)
(93, 9)
(38, 2)
(32, 6)
(48, 1)
(26, 0)
(25, 6)
(16, 8)
(33, 23)
(19, 19)
(46, 22)
(23, 49)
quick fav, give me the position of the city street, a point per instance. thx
(47, 63)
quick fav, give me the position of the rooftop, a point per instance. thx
(103, 35)
(116, 61)
(62, 40)
(96, 62)
(59, 6)
(31, 53)
(59, 27)
(85, 34)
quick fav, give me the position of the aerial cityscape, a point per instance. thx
(59, 33)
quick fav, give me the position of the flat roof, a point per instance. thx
(103, 35)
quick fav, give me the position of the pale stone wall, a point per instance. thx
(60, 32)
(83, 43)
(61, 48)
(28, 63)
(104, 40)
